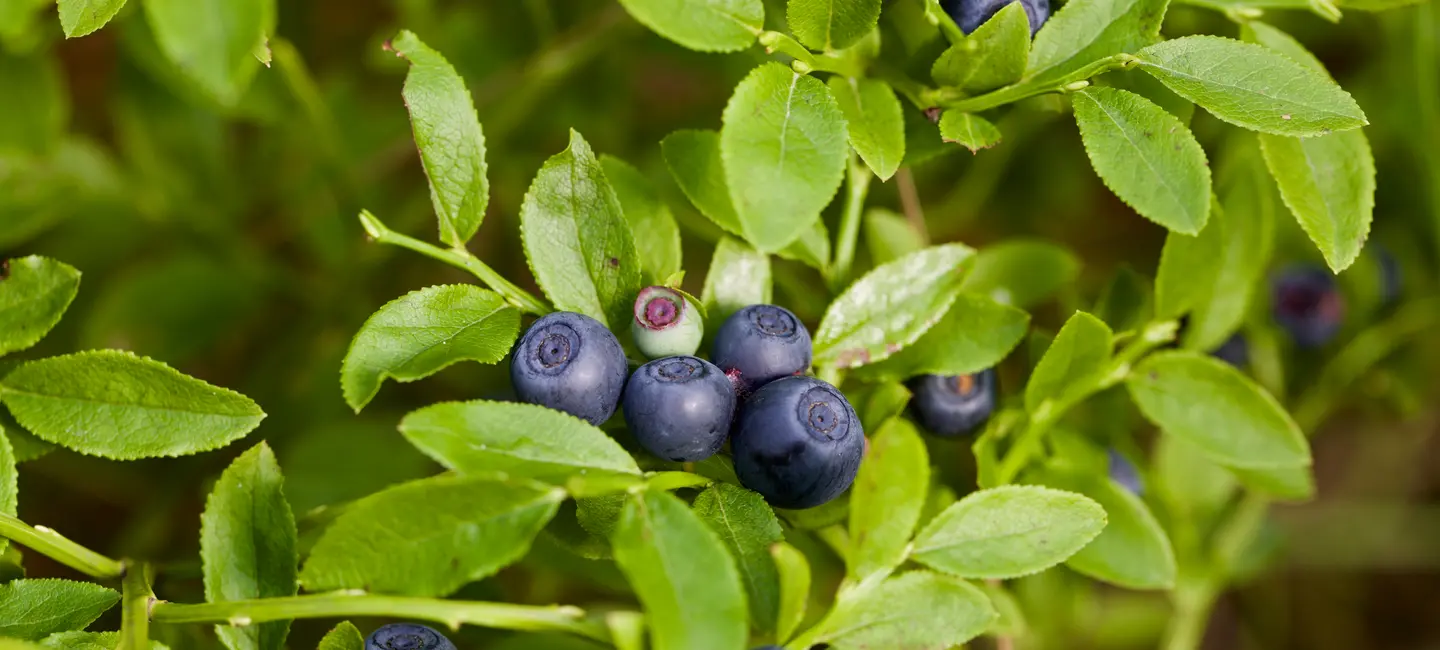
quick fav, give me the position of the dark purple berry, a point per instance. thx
(798, 442)
(953, 405)
(971, 14)
(1307, 304)
(679, 408)
(759, 344)
(407, 636)
(569, 362)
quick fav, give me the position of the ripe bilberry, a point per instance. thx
(971, 14)
(679, 408)
(759, 344)
(1307, 304)
(953, 405)
(798, 442)
(570, 362)
(407, 636)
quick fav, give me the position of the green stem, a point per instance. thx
(780, 42)
(1050, 411)
(458, 257)
(1186, 629)
(845, 240)
(56, 547)
(135, 600)
(1193, 602)
(950, 98)
(453, 613)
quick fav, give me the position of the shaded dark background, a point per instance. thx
(224, 241)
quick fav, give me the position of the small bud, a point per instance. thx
(665, 323)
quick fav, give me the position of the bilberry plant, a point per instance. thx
(781, 493)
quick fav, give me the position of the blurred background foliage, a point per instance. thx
(222, 239)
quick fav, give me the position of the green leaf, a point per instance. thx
(1124, 304)
(1008, 531)
(1251, 86)
(1083, 31)
(1073, 363)
(1021, 272)
(344, 636)
(704, 25)
(1247, 236)
(1189, 267)
(600, 515)
(975, 334)
(9, 482)
(34, 293)
(1146, 156)
(116, 405)
(739, 276)
(890, 307)
(81, 17)
(24, 444)
(827, 514)
(1218, 409)
(422, 332)
(918, 609)
(448, 134)
(1191, 486)
(747, 526)
(657, 237)
(32, 609)
(682, 574)
(968, 130)
(811, 249)
(1254, 31)
(784, 152)
(430, 537)
(890, 236)
(992, 56)
(1284, 483)
(1329, 185)
(886, 499)
(213, 41)
(831, 24)
(514, 438)
(694, 160)
(878, 402)
(247, 545)
(1010, 618)
(577, 239)
(1150, 88)
(89, 641)
(873, 120)
(1133, 550)
(794, 572)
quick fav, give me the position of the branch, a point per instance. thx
(56, 547)
(858, 186)
(1050, 411)
(458, 257)
(135, 600)
(453, 613)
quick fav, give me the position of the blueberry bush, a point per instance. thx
(705, 324)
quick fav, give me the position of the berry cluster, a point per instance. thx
(795, 439)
